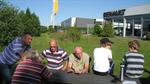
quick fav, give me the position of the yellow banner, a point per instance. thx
(55, 6)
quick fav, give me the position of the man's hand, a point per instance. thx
(84, 71)
(78, 72)
(70, 71)
(81, 71)
(22, 56)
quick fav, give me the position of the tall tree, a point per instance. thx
(13, 23)
(10, 24)
(32, 23)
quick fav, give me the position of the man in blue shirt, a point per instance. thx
(12, 53)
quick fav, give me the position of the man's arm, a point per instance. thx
(110, 56)
(69, 67)
(64, 66)
(86, 64)
(22, 56)
(86, 67)
(65, 58)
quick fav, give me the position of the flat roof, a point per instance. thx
(137, 10)
(132, 11)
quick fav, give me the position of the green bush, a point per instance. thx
(83, 30)
(148, 36)
(73, 33)
(43, 29)
(51, 29)
(97, 30)
(108, 30)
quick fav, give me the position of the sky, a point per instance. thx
(73, 8)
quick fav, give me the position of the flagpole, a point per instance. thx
(52, 20)
(55, 10)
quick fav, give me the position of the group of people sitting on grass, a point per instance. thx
(30, 67)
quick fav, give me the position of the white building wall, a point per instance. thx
(73, 21)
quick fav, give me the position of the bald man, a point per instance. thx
(57, 57)
(78, 61)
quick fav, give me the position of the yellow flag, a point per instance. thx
(55, 6)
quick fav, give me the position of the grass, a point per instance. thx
(90, 42)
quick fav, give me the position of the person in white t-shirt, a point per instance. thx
(102, 57)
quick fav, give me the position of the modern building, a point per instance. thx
(134, 21)
(87, 23)
(78, 22)
(99, 21)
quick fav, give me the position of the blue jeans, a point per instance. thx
(5, 73)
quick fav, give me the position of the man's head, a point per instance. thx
(78, 51)
(34, 55)
(27, 38)
(105, 42)
(53, 45)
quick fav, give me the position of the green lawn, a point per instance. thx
(90, 42)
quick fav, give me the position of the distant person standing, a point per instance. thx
(133, 60)
(102, 57)
(12, 53)
(57, 58)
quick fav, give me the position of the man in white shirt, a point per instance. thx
(102, 57)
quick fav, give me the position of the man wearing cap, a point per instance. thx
(102, 57)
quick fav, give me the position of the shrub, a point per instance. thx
(73, 33)
(148, 36)
(108, 30)
(83, 30)
(97, 30)
(43, 29)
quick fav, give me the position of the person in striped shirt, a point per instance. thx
(31, 70)
(12, 53)
(57, 58)
(133, 60)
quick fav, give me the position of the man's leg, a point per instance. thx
(5, 73)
